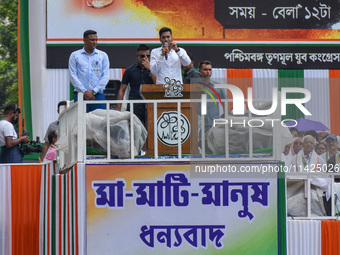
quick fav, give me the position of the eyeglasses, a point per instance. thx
(297, 143)
(143, 56)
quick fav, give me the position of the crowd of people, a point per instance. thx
(311, 147)
(311, 153)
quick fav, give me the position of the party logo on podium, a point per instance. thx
(167, 128)
(172, 87)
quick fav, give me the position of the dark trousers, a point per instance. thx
(10, 155)
(140, 111)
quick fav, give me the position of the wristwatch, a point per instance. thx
(94, 93)
(177, 50)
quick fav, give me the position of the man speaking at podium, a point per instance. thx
(166, 61)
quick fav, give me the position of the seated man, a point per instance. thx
(332, 155)
(309, 162)
(294, 131)
(307, 159)
(295, 148)
(332, 149)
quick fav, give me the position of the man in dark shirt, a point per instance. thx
(190, 72)
(135, 75)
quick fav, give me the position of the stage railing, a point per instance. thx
(332, 192)
(73, 130)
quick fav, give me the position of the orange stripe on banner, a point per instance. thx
(330, 232)
(60, 191)
(242, 78)
(25, 209)
(76, 206)
(334, 102)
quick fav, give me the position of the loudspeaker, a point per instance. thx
(111, 91)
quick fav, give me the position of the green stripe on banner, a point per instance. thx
(25, 62)
(282, 212)
(54, 214)
(292, 78)
(71, 92)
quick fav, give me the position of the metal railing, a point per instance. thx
(73, 129)
(306, 179)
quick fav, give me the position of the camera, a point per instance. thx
(32, 146)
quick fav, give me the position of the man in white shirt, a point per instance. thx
(166, 61)
(309, 162)
(9, 141)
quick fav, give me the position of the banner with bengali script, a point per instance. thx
(150, 209)
(232, 34)
(127, 20)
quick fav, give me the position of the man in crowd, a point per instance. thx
(312, 133)
(89, 71)
(296, 147)
(190, 73)
(332, 152)
(309, 162)
(135, 75)
(213, 111)
(294, 131)
(306, 160)
(166, 61)
(54, 126)
(322, 135)
(9, 141)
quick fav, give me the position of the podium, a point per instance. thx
(167, 116)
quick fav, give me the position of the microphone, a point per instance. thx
(166, 53)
